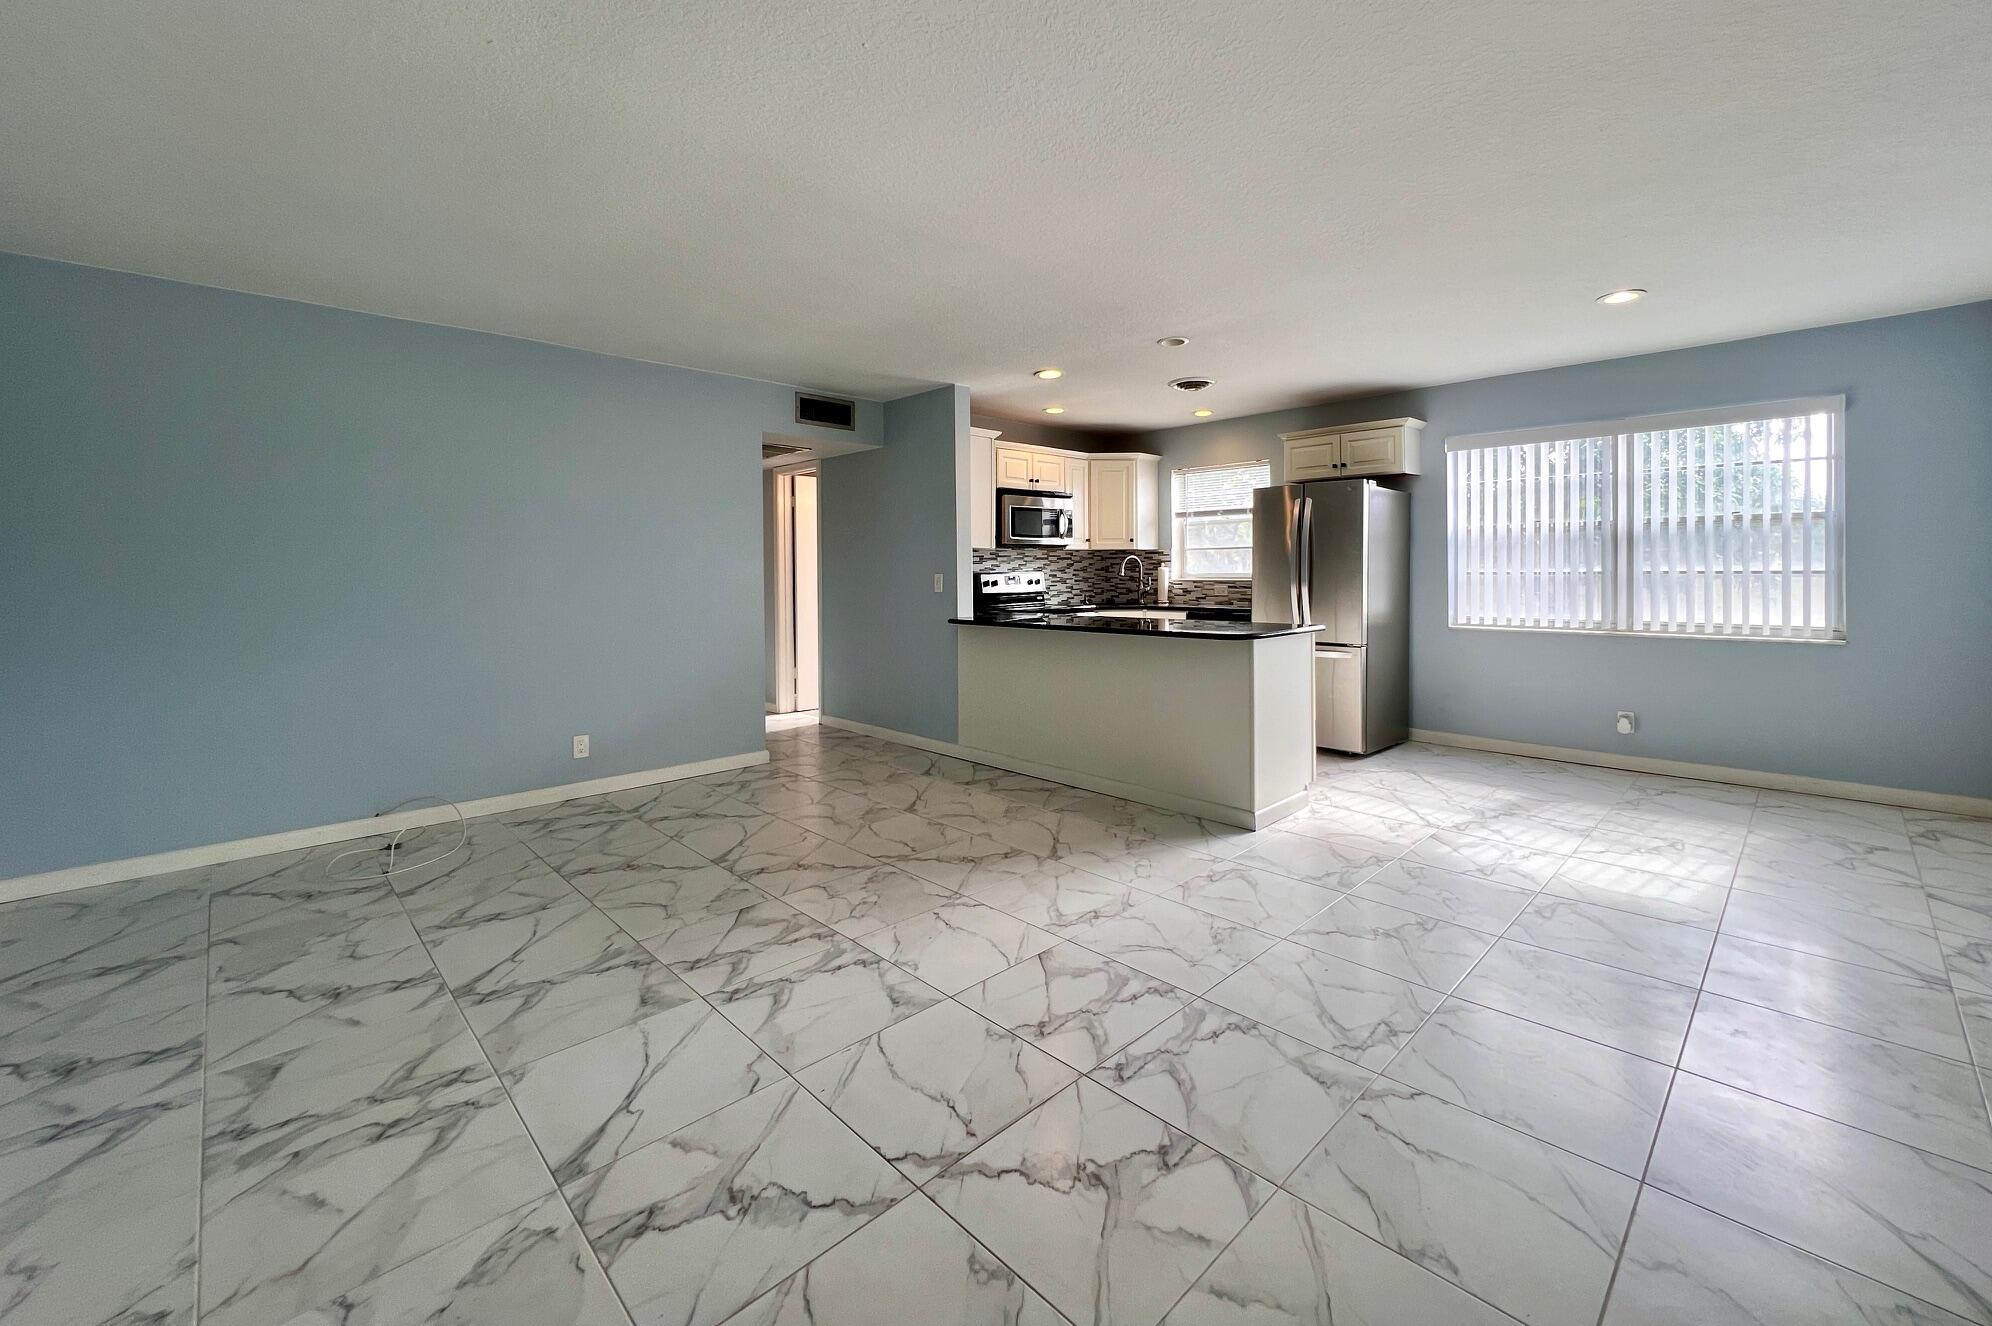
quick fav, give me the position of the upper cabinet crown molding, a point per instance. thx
(1352, 451)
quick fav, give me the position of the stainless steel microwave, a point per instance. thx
(1032, 518)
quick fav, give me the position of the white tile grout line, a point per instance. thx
(1980, 1071)
(466, 1028)
(1659, 1117)
(1204, 997)
(1660, 1124)
(1279, 1184)
(1538, 890)
(503, 1086)
(796, 1082)
(1340, 895)
(200, 1141)
(1082, 946)
(1660, 1120)
(1071, 1086)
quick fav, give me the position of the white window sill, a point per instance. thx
(1703, 637)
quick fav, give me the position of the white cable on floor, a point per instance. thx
(393, 846)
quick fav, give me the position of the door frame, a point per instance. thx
(784, 584)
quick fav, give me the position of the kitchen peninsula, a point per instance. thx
(1211, 718)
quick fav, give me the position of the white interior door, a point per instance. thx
(805, 594)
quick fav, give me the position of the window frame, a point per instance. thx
(1619, 534)
(1178, 552)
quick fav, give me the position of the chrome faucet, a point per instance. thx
(1140, 574)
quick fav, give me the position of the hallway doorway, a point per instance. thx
(794, 599)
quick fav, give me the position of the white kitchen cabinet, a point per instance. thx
(1124, 501)
(1078, 476)
(1380, 451)
(1048, 471)
(1350, 451)
(1014, 467)
(1116, 499)
(1313, 458)
(1111, 493)
(982, 487)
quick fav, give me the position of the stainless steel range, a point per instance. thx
(1008, 595)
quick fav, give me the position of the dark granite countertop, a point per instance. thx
(1192, 630)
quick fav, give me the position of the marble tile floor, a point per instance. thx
(870, 1034)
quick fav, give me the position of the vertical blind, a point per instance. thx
(1707, 523)
(1213, 505)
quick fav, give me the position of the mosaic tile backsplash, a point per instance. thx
(1210, 594)
(1092, 575)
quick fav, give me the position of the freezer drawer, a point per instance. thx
(1338, 698)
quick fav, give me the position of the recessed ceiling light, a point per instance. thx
(1054, 409)
(1622, 296)
(1173, 342)
(1049, 373)
(1203, 414)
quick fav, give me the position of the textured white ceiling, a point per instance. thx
(870, 197)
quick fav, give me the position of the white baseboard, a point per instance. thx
(888, 734)
(189, 858)
(1147, 796)
(1949, 803)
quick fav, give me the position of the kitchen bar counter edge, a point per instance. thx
(1182, 630)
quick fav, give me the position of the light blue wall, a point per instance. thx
(265, 565)
(890, 520)
(1907, 702)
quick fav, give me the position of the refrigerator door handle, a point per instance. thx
(1304, 558)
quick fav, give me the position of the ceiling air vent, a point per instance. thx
(1190, 384)
(777, 450)
(826, 411)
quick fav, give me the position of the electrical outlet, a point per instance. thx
(1626, 722)
(581, 748)
(940, 583)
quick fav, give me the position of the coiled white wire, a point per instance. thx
(335, 873)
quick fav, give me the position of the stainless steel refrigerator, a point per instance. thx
(1338, 553)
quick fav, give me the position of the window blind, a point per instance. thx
(1709, 523)
(1213, 518)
